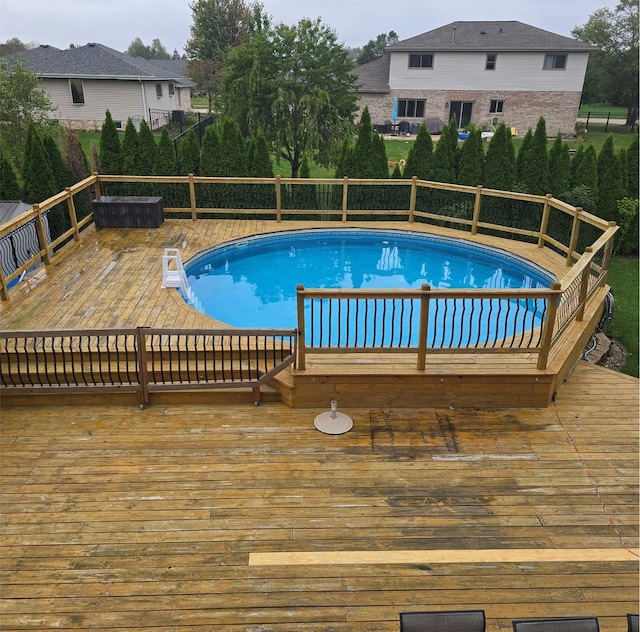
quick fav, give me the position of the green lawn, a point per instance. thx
(602, 110)
(623, 278)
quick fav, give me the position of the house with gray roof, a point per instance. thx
(480, 72)
(86, 81)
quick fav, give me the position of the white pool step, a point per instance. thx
(173, 274)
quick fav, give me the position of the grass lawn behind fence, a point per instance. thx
(602, 110)
(623, 277)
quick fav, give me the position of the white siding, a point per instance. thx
(466, 71)
(123, 99)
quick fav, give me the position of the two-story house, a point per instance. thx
(84, 82)
(483, 73)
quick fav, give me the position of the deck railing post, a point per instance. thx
(301, 360)
(477, 205)
(278, 199)
(192, 197)
(584, 285)
(4, 292)
(345, 198)
(575, 231)
(42, 235)
(72, 214)
(544, 222)
(549, 325)
(424, 323)
(608, 250)
(412, 199)
(96, 184)
(141, 361)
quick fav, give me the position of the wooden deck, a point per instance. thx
(113, 277)
(190, 517)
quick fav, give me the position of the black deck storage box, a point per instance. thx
(127, 211)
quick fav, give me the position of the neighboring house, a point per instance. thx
(483, 73)
(84, 82)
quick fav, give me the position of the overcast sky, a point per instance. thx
(116, 23)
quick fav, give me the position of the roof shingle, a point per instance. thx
(489, 36)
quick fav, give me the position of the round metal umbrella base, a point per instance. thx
(333, 423)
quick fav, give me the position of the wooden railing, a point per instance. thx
(422, 321)
(546, 220)
(142, 360)
(585, 241)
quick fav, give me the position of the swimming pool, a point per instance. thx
(251, 282)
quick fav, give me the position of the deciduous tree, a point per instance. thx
(22, 101)
(615, 33)
(155, 50)
(294, 83)
(374, 48)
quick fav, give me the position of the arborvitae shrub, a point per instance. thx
(165, 165)
(535, 163)
(110, 155)
(39, 180)
(559, 168)
(147, 148)
(611, 187)
(471, 163)
(77, 161)
(260, 166)
(189, 154)
(130, 151)
(208, 194)
(9, 185)
(632, 169)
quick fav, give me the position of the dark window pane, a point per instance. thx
(414, 61)
(77, 91)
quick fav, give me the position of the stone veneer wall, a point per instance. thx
(521, 109)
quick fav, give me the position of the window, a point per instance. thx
(172, 88)
(422, 60)
(159, 90)
(411, 108)
(555, 62)
(496, 106)
(77, 91)
(491, 61)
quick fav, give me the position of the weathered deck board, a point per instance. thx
(117, 518)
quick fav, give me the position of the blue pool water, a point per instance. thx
(252, 282)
